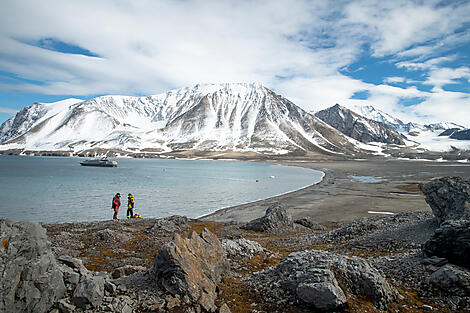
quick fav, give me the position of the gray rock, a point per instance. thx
(448, 198)
(275, 220)
(451, 241)
(242, 248)
(224, 308)
(66, 307)
(191, 267)
(309, 223)
(110, 287)
(452, 279)
(89, 292)
(311, 276)
(169, 225)
(321, 290)
(74, 263)
(126, 270)
(31, 280)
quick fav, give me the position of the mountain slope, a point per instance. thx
(434, 137)
(359, 127)
(241, 117)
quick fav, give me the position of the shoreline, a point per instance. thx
(339, 198)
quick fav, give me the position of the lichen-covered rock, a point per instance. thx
(451, 241)
(191, 267)
(169, 225)
(448, 198)
(242, 248)
(320, 289)
(30, 278)
(312, 276)
(89, 292)
(276, 220)
(452, 279)
(308, 222)
(126, 270)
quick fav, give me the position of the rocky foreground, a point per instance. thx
(408, 262)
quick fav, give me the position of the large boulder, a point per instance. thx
(89, 292)
(276, 220)
(448, 198)
(323, 280)
(192, 267)
(452, 279)
(31, 280)
(169, 225)
(242, 248)
(451, 241)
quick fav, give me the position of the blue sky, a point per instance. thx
(408, 58)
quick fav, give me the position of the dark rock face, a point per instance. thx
(452, 279)
(31, 280)
(359, 127)
(448, 198)
(449, 132)
(451, 241)
(461, 135)
(309, 223)
(323, 280)
(276, 220)
(192, 267)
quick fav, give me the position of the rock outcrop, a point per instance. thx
(452, 279)
(451, 241)
(276, 220)
(31, 280)
(323, 280)
(448, 198)
(242, 248)
(169, 225)
(191, 267)
(309, 223)
(461, 135)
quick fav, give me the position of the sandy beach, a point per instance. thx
(352, 189)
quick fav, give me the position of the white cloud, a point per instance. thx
(296, 48)
(394, 79)
(8, 110)
(444, 76)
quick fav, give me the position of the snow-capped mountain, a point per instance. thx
(435, 137)
(218, 117)
(358, 127)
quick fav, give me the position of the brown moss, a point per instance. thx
(410, 187)
(198, 226)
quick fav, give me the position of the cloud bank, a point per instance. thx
(310, 52)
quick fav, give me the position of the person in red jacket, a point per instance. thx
(116, 204)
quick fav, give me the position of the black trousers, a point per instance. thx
(130, 212)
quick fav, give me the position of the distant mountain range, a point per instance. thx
(238, 117)
(213, 117)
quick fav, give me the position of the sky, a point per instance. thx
(408, 58)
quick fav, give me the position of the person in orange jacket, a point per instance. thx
(116, 204)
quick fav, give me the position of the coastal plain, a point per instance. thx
(351, 189)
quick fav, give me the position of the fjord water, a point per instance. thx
(58, 189)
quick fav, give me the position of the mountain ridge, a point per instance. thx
(243, 117)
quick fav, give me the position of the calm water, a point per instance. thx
(49, 189)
